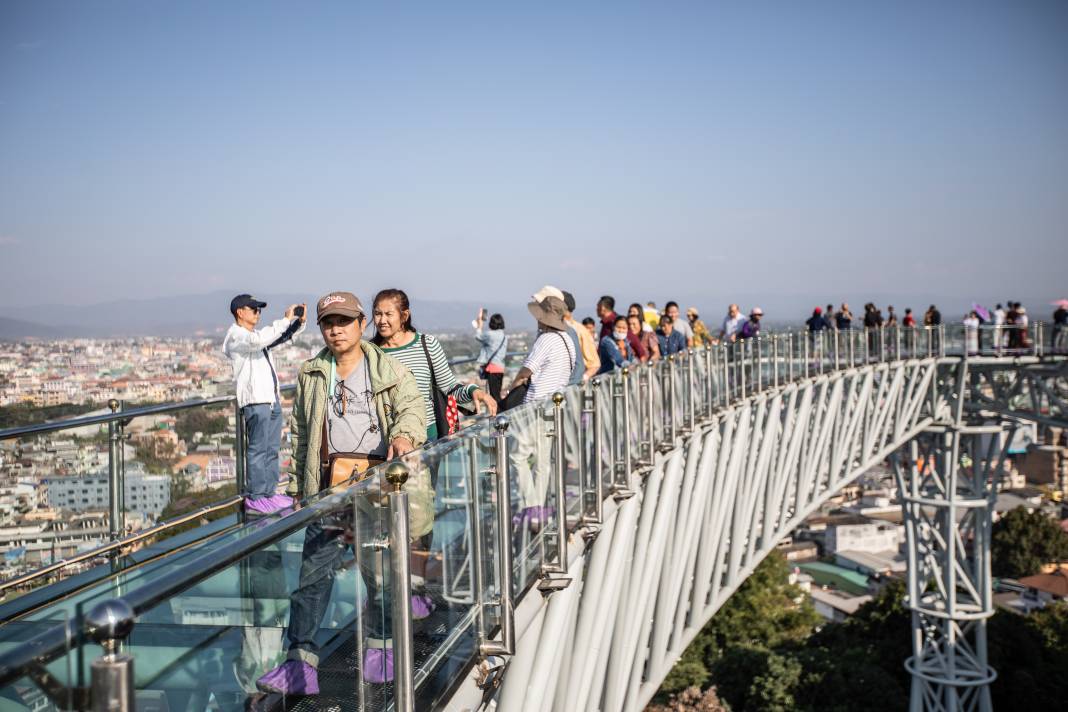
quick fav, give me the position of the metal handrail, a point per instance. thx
(161, 408)
(120, 543)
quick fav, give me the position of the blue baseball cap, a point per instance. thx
(245, 300)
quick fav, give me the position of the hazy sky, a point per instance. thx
(458, 149)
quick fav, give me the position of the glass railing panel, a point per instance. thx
(51, 687)
(530, 475)
(602, 466)
(575, 457)
(486, 557)
(448, 569)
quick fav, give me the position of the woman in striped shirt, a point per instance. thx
(398, 338)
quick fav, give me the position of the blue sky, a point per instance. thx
(808, 151)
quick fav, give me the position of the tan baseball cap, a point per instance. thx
(344, 303)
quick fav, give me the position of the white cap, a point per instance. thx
(757, 311)
(547, 291)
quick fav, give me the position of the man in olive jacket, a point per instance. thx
(367, 403)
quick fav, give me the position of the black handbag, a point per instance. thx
(440, 400)
(515, 397)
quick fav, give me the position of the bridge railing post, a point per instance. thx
(589, 431)
(710, 357)
(559, 467)
(400, 582)
(790, 347)
(673, 399)
(650, 411)
(116, 477)
(775, 360)
(739, 347)
(504, 602)
(621, 481)
(691, 392)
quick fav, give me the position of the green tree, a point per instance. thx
(1024, 541)
(766, 611)
(191, 501)
(205, 420)
(754, 678)
(159, 461)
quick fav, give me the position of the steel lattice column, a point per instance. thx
(947, 483)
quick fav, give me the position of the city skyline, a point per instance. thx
(830, 152)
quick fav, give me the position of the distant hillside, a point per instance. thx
(16, 330)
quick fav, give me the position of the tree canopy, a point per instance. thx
(1024, 541)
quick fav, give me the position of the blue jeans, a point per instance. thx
(263, 426)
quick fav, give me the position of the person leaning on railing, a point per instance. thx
(355, 406)
(256, 390)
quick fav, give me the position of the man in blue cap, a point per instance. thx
(256, 387)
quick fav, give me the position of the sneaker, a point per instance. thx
(293, 677)
(267, 505)
(378, 665)
(422, 606)
(534, 517)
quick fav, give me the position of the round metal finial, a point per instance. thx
(671, 357)
(558, 398)
(689, 352)
(109, 621)
(397, 474)
(114, 405)
(626, 371)
(501, 423)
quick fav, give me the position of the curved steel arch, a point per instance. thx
(705, 515)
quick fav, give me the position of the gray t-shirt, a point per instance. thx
(352, 423)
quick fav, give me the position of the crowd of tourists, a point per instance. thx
(360, 402)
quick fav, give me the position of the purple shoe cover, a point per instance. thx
(268, 505)
(293, 677)
(378, 665)
(422, 606)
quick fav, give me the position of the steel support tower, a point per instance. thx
(947, 478)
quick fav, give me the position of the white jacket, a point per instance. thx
(250, 355)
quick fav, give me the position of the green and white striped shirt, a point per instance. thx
(412, 356)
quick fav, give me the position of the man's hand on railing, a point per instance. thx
(399, 446)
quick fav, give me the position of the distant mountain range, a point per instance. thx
(207, 315)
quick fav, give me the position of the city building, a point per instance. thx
(148, 494)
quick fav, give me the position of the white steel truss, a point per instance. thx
(707, 512)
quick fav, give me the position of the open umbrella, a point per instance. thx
(1060, 303)
(981, 311)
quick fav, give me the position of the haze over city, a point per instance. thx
(774, 152)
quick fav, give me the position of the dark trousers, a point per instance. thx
(493, 384)
(322, 557)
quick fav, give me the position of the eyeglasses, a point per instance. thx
(344, 396)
